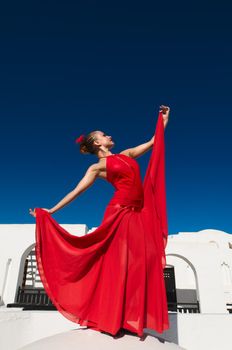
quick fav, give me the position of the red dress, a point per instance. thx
(112, 278)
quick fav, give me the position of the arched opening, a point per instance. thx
(181, 285)
(227, 282)
(30, 294)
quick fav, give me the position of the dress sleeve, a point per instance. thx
(155, 189)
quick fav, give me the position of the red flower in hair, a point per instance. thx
(80, 138)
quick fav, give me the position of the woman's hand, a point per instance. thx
(33, 212)
(165, 111)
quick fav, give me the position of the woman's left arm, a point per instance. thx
(144, 147)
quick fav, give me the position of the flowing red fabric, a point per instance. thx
(113, 278)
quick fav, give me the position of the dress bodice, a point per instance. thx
(123, 173)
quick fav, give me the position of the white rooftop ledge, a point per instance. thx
(88, 339)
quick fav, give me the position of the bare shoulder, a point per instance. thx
(102, 169)
(99, 168)
(101, 164)
(127, 152)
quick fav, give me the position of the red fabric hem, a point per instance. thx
(88, 323)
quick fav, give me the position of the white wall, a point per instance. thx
(208, 254)
(14, 240)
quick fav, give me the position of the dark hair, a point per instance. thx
(86, 145)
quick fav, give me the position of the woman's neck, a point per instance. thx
(105, 155)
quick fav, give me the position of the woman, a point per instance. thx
(112, 278)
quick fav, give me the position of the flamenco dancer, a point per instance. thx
(111, 280)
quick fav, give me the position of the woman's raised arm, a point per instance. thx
(139, 150)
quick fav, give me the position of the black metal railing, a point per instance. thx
(32, 299)
(184, 307)
(37, 299)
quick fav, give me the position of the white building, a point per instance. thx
(198, 279)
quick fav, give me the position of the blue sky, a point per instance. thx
(68, 68)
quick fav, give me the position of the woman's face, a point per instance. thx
(104, 139)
